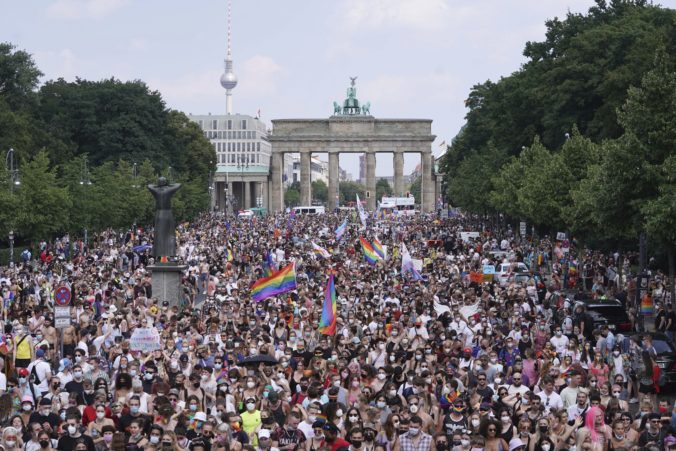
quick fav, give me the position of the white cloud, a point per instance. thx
(418, 14)
(138, 43)
(259, 76)
(58, 64)
(190, 88)
(84, 9)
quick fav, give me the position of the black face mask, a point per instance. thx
(543, 429)
(444, 446)
(356, 443)
(44, 443)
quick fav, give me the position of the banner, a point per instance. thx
(145, 340)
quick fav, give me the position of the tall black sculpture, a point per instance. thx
(164, 242)
(166, 272)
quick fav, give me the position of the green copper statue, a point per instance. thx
(351, 105)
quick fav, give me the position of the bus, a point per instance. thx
(310, 210)
(397, 206)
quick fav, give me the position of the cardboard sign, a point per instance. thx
(145, 340)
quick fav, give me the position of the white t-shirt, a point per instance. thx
(43, 370)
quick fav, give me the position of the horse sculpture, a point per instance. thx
(366, 109)
(336, 108)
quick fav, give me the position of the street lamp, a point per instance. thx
(243, 163)
(11, 248)
(170, 175)
(134, 176)
(85, 180)
(12, 169)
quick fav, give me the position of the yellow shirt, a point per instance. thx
(23, 350)
(250, 421)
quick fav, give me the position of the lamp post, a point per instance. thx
(212, 202)
(85, 181)
(243, 163)
(11, 248)
(12, 169)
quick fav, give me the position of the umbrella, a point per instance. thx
(258, 359)
(142, 247)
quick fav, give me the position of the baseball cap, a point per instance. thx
(264, 433)
(200, 416)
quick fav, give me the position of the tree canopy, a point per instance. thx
(572, 138)
(122, 132)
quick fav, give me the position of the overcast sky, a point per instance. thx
(414, 58)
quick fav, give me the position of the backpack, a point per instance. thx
(33, 376)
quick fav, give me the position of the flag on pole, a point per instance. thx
(341, 230)
(228, 254)
(319, 251)
(407, 264)
(327, 323)
(378, 247)
(281, 282)
(362, 214)
(370, 254)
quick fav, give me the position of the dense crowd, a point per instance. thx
(442, 361)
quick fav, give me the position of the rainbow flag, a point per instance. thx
(572, 267)
(378, 247)
(319, 251)
(327, 323)
(647, 306)
(269, 267)
(341, 230)
(370, 255)
(280, 282)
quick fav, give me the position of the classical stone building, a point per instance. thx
(352, 129)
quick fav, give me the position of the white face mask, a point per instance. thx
(72, 430)
(545, 446)
(100, 415)
(250, 406)
(339, 413)
(476, 423)
(413, 409)
(382, 376)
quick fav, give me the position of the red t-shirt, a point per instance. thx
(337, 443)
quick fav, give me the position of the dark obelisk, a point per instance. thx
(166, 272)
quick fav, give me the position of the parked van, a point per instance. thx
(310, 210)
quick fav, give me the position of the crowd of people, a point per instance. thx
(431, 360)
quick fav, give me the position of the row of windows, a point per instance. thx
(237, 147)
(230, 135)
(228, 123)
(231, 158)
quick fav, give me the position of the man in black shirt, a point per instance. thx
(73, 434)
(134, 414)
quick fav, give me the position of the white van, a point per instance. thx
(310, 210)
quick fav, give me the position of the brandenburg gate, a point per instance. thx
(351, 129)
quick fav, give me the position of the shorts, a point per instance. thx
(646, 389)
(22, 363)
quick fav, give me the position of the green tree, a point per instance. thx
(577, 76)
(473, 180)
(348, 192)
(415, 189)
(383, 188)
(43, 205)
(292, 195)
(19, 77)
(320, 192)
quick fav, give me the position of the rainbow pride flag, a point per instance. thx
(370, 254)
(327, 323)
(647, 306)
(280, 282)
(341, 230)
(319, 251)
(378, 247)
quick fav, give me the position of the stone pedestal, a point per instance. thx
(166, 280)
